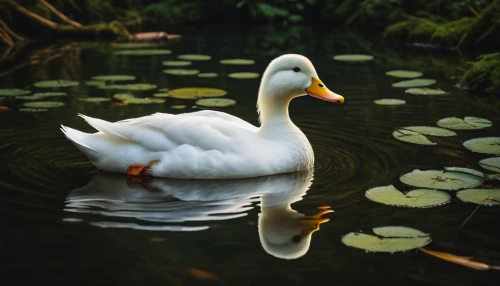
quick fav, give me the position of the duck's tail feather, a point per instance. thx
(78, 138)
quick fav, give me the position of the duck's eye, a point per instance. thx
(296, 69)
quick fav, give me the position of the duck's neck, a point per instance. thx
(274, 112)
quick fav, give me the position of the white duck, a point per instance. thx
(211, 144)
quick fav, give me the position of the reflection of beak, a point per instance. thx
(319, 90)
(314, 220)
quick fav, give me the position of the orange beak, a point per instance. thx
(319, 90)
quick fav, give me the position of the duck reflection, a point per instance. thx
(169, 204)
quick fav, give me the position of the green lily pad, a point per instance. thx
(415, 82)
(404, 74)
(492, 164)
(215, 102)
(208, 74)
(13, 92)
(480, 196)
(244, 75)
(425, 91)
(94, 99)
(115, 77)
(56, 83)
(429, 130)
(194, 57)
(181, 71)
(237, 62)
(122, 96)
(143, 100)
(41, 95)
(139, 86)
(43, 104)
(27, 109)
(485, 145)
(178, 106)
(95, 83)
(161, 94)
(419, 198)
(389, 239)
(177, 63)
(441, 179)
(353, 58)
(165, 89)
(389, 101)
(112, 86)
(411, 137)
(196, 92)
(149, 52)
(467, 123)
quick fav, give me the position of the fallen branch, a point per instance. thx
(59, 14)
(10, 32)
(4, 37)
(151, 37)
(462, 260)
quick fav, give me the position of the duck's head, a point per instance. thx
(292, 75)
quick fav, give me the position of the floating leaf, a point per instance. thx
(411, 137)
(480, 196)
(404, 74)
(425, 91)
(485, 145)
(27, 109)
(383, 243)
(115, 77)
(143, 100)
(178, 106)
(215, 102)
(181, 71)
(138, 86)
(467, 123)
(429, 130)
(353, 58)
(153, 52)
(112, 86)
(41, 95)
(414, 82)
(492, 164)
(13, 92)
(441, 179)
(44, 104)
(162, 94)
(122, 96)
(419, 198)
(244, 75)
(56, 83)
(465, 170)
(194, 57)
(237, 62)
(177, 63)
(196, 92)
(208, 74)
(389, 101)
(94, 99)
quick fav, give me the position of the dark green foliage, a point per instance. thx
(483, 74)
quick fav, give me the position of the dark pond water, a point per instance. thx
(63, 222)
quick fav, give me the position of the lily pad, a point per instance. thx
(43, 104)
(353, 58)
(425, 91)
(177, 63)
(419, 198)
(181, 71)
(415, 82)
(404, 74)
(94, 99)
(389, 101)
(492, 164)
(194, 57)
(149, 52)
(237, 62)
(115, 77)
(112, 86)
(479, 196)
(178, 106)
(27, 109)
(122, 96)
(56, 83)
(441, 179)
(244, 75)
(411, 137)
(467, 123)
(95, 83)
(139, 86)
(13, 92)
(165, 89)
(162, 94)
(429, 130)
(143, 100)
(208, 74)
(389, 239)
(215, 102)
(41, 95)
(196, 92)
(485, 145)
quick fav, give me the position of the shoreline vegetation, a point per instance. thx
(463, 25)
